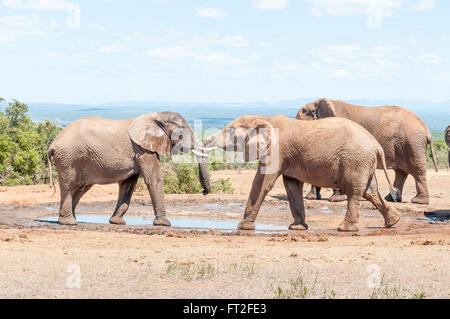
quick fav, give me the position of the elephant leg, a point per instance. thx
(262, 184)
(151, 171)
(337, 196)
(77, 196)
(66, 216)
(399, 182)
(350, 222)
(372, 194)
(422, 196)
(314, 193)
(126, 189)
(293, 189)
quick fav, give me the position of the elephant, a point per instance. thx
(94, 150)
(402, 134)
(447, 140)
(319, 152)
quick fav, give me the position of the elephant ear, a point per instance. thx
(447, 135)
(150, 133)
(258, 140)
(324, 108)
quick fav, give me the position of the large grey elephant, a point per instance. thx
(402, 134)
(447, 140)
(94, 150)
(321, 152)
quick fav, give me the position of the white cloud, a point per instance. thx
(423, 5)
(206, 12)
(41, 4)
(431, 58)
(96, 27)
(53, 54)
(12, 27)
(235, 41)
(111, 49)
(171, 53)
(17, 21)
(270, 4)
(347, 61)
(375, 10)
(79, 56)
(220, 58)
(73, 20)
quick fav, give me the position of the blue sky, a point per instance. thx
(94, 51)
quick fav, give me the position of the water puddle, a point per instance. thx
(438, 216)
(325, 210)
(199, 224)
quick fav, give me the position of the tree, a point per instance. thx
(23, 146)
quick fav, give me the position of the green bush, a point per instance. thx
(23, 146)
(219, 163)
(182, 178)
(441, 153)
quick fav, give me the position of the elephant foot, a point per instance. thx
(392, 218)
(424, 200)
(117, 220)
(246, 225)
(346, 226)
(161, 221)
(389, 198)
(67, 220)
(337, 198)
(312, 196)
(298, 226)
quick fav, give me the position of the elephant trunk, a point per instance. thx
(203, 175)
(203, 172)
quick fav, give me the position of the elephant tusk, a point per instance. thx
(208, 149)
(199, 154)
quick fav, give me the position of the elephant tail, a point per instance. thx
(433, 157)
(395, 192)
(50, 169)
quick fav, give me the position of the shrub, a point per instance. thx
(182, 178)
(441, 153)
(23, 146)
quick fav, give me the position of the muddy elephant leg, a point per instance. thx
(314, 193)
(77, 196)
(350, 222)
(126, 189)
(293, 189)
(66, 216)
(337, 196)
(399, 182)
(422, 196)
(372, 194)
(151, 171)
(262, 184)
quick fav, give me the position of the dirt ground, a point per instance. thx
(41, 259)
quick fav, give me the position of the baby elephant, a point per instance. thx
(332, 152)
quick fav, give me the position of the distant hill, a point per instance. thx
(435, 115)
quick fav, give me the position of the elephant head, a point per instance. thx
(167, 133)
(249, 134)
(319, 109)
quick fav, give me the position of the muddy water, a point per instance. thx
(274, 217)
(176, 222)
